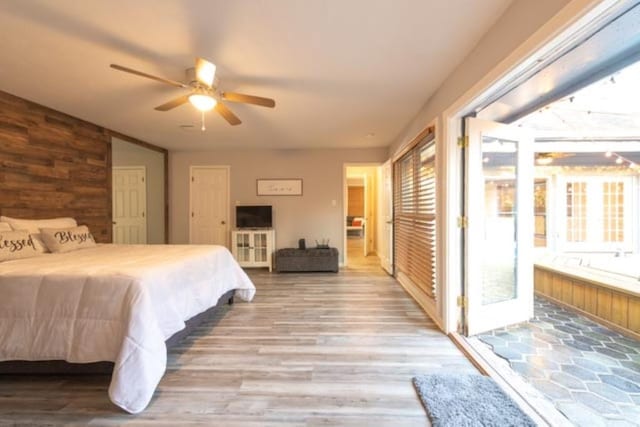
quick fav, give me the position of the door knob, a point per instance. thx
(222, 222)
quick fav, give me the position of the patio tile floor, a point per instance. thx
(590, 373)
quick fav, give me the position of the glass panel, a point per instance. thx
(261, 255)
(540, 213)
(613, 211)
(499, 160)
(246, 254)
(576, 193)
(243, 249)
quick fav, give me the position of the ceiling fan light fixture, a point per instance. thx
(202, 102)
(544, 160)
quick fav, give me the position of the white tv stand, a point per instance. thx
(253, 247)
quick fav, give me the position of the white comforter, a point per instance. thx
(113, 302)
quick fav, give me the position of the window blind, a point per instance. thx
(415, 215)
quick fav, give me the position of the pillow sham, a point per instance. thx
(4, 226)
(33, 226)
(67, 239)
(16, 245)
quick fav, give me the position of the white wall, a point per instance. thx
(127, 154)
(311, 216)
(518, 23)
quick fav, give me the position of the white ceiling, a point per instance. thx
(338, 69)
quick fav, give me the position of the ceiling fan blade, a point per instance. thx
(149, 76)
(249, 99)
(227, 114)
(173, 103)
(205, 71)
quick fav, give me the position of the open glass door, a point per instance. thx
(499, 232)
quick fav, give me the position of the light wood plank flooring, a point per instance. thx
(311, 349)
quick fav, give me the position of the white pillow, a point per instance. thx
(4, 226)
(67, 239)
(16, 245)
(33, 226)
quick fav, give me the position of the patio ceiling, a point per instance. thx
(609, 108)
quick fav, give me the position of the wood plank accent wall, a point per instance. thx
(52, 164)
(619, 310)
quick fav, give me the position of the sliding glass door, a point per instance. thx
(415, 217)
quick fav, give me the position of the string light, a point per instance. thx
(621, 159)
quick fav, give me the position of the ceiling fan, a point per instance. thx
(544, 159)
(204, 91)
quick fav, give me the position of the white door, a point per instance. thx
(129, 199)
(499, 232)
(385, 218)
(209, 201)
(366, 222)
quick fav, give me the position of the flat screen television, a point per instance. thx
(253, 217)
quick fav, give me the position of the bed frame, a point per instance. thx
(60, 367)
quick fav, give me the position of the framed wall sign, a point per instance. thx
(279, 187)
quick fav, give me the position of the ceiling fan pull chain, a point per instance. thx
(203, 128)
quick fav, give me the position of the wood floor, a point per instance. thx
(312, 349)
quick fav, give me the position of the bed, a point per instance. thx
(114, 303)
(355, 224)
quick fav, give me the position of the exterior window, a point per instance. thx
(576, 211)
(540, 212)
(613, 211)
(598, 214)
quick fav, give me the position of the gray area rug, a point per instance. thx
(467, 400)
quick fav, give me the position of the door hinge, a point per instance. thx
(463, 141)
(192, 215)
(142, 214)
(142, 179)
(463, 222)
(462, 301)
(193, 179)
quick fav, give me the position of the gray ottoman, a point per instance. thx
(312, 259)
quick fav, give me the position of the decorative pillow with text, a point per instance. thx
(4, 226)
(67, 239)
(33, 226)
(16, 245)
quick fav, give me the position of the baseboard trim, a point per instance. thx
(428, 305)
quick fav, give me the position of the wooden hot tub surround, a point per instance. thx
(612, 301)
